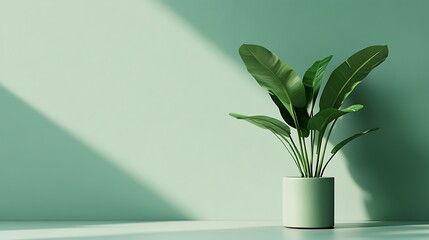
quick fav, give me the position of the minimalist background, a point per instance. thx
(118, 110)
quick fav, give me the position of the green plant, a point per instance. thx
(296, 98)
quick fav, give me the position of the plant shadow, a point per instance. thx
(48, 174)
(372, 224)
(390, 165)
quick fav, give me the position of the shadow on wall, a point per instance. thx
(47, 174)
(392, 164)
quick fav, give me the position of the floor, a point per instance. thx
(207, 230)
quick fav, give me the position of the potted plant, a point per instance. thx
(308, 200)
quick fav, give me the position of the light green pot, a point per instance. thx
(308, 202)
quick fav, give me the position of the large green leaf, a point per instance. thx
(275, 75)
(283, 111)
(265, 122)
(313, 79)
(347, 140)
(324, 117)
(301, 113)
(349, 74)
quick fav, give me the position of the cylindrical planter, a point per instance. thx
(308, 202)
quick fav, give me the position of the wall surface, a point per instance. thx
(118, 110)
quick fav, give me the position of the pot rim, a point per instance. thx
(307, 178)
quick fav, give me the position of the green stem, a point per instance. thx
(319, 146)
(304, 161)
(324, 148)
(293, 148)
(326, 164)
(312, 107)
(312, 150)
(306, 156)
(301, 158)
(292, 155)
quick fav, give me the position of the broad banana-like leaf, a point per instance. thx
(347, 140)
(313, 79)
(301, 114)
(283, 111)
(303, 118)
(265, 122)
(275, 75)
(321, 120)
(349, 74)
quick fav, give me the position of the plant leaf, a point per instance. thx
(303, 118)
(349, 74)
(301, 114)
(283, 111)
(347, 140)
(265, 122)
(273, 74)
(313, 79)
(324, 117)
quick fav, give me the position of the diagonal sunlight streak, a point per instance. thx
(48, 174)
(98, 73)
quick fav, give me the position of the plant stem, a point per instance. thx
(299, 154)
(326, 164)
(303, 155)
(312, 151)
(304, 161)
(324, 148)
(292, 155)
(306, 156)
(294, 150)
(312, 142)
(319, 146)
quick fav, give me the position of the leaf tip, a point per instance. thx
(235, 115)
(358, 107)
(245, 45)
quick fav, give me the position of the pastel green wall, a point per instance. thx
(114, 110)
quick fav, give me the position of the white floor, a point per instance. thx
(207, 230)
